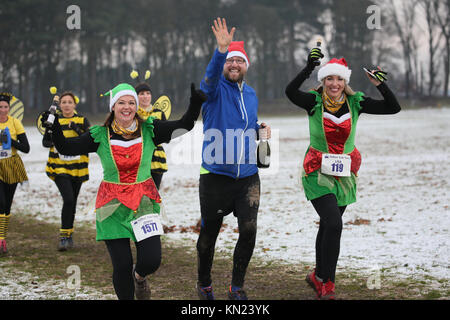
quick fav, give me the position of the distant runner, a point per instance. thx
(12, 170)
(68, 172)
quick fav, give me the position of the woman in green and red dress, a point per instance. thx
(331, 162)
(128, 196)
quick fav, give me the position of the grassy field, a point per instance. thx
(32, 249)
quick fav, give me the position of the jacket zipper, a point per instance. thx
(243, 110)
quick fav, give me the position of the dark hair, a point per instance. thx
(5, 96)
(143, 86)
(68, 93)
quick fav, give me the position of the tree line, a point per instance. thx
(173, 39)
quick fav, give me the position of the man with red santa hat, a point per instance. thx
(229, 180)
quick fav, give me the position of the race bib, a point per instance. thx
(5, 153)
(147, 226)
(68, 158)
(336, 164)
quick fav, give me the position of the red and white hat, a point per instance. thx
(236, 49)
(335, 67)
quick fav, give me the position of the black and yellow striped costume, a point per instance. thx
(159, 160)
(12, 172)
(75, 169)
(68, 173)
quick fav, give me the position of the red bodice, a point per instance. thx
(336, 133)
(127, 158)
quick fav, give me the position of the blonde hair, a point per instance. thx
(347, 89)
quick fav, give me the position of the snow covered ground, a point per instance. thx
(399, 225)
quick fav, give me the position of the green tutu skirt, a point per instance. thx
(113, 220)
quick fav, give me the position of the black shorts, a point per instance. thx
(220, 195)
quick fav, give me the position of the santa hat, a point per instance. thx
(335, 67)
(236, 49)
(123, 89)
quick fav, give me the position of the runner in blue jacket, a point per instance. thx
(229, 180)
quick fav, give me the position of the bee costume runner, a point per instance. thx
(159, 110)
(12, 170)
(67, 172)
(127, 195)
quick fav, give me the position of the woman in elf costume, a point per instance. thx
(12, 170)
(68, 172)
(331, 162)
(128, 202)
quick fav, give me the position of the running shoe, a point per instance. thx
(63, 243)
(3, 249)
(70, 242)
(314, 283)
(205, 293)
(328, 291)
(141, 288)
(237, 294)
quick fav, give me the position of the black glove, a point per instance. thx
(380, 75)
(313, 57)
(3, 137)
(198, 97)
(44, 118)
(75, 127)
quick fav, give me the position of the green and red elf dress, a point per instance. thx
(334, 134)
(127, 190)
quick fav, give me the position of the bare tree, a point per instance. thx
(434, 37)
(442, 13)
(403, 18)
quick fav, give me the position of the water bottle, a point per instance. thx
(5, 137)
(52, 110)
(263, 152)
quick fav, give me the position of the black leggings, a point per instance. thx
(157, 177)
(148, 260)
(329, 236)
(6, 197)
(219, 196)
(69, 189)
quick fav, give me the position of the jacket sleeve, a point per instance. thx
(210, 81)
(82, 144)
(21, 143)
(298, 97)
(389, 104)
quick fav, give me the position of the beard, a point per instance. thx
(233, 78)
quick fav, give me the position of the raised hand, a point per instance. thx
(381, 76)
(44, 118)
(197, 96)
(223, 37)
(314, 57)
